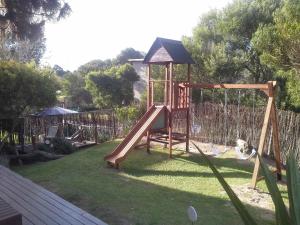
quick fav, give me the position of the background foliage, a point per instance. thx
(250, 41)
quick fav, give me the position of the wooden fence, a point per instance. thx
(209, 123)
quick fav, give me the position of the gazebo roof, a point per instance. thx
(56, 111)
(164, 51)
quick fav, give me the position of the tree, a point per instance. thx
(279, 45)
(112, 87)
(94, 65)
(26, 19)
(222, 43)
(60, 71)
(279, 42)
(24, 88)
(22, 27)
(22, 51)
(106, 90)
(128, 53)
(74, 88)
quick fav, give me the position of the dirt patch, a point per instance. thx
(256, 198)
(248, 195)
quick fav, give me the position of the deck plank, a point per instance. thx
(41, 202)
(51, 198)
(59, 202)
(39, 206)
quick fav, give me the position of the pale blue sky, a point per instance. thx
(100, 29)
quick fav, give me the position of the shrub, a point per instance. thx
(43, 147)
(103, 136)
(57, 146)
(62, 146)
(128, 116)
(8, 149)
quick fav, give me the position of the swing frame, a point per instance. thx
(270, 116)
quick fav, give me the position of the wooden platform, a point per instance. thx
(39, 206)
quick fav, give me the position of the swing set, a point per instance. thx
(157, 123)
(222, 111)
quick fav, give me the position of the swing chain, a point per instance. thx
(225, 118)
(238, 115)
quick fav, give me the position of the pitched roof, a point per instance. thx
(164, 51)
(56, 111)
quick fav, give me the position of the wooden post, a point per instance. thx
(188, 110)
(263, 135)
(166, 85)
(170, 107)
(114, 123)
(176, 96)
(33, 142)
(149, 87)
(95, 128)
(149, 91)
(276, 144)
(275, 134)
(152, 93)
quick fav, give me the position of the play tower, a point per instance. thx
(156, 124)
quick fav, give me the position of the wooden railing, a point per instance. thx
(180, 94)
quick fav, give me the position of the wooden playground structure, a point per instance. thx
(157, 125)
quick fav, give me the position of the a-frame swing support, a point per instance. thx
(270, 115)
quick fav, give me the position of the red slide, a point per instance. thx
(134, 136)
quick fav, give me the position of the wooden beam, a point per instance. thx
(188, 90)
(166, 86)
(160, 81)
(152, 93)
(262, 177)
(170, 107)
(262, 141)
(270, 113)
(148, 142)
(95, 128)
(276, 144)
(148, 103)
(149, 86)
(229, 86)
(176, 96)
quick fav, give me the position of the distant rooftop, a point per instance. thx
(164, 51)
(135, 60)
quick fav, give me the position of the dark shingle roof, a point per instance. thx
(164, 51)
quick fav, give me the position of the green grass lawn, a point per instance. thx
(148, 189)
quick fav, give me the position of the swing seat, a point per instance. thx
(243, 145)
(243, 156)
(196, 129)
(215, 151)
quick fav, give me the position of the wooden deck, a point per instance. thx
(39, 206)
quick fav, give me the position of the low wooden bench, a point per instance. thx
(8, 215)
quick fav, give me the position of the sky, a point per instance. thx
(101, 29)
